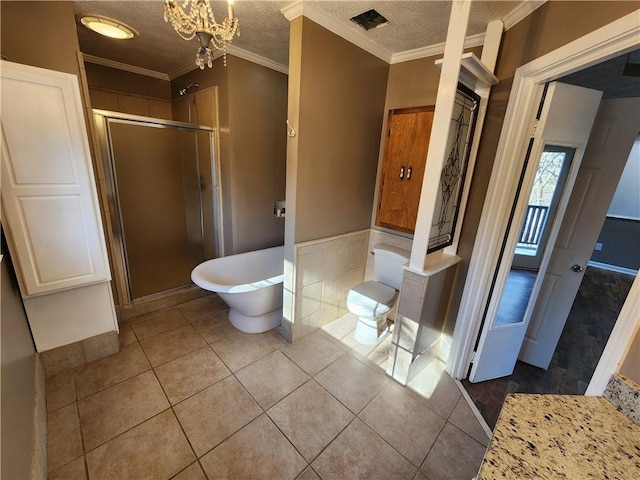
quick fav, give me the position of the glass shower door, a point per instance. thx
(158, 188)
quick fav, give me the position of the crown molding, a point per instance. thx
(124, 66)
(186, 68)
(345, 31)
(522, 11)
(236, 52)
(301, 8)
(292, 11)
(432, 50)
(252, 57)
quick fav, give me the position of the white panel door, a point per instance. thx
(48, 188)
(566, 119)
(614, 131)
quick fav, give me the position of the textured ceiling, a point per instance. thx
(265, 31)
(608, 78)
(415, 24)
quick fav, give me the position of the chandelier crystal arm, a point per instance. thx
(194, 18)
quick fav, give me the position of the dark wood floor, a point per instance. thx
(595, 310)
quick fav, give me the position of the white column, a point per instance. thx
(447, 87)
(491, 47)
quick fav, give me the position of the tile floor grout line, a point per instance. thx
(84, 450)
(424, 459)
(288, 440)
(465, 433)
(193, 450)
(82, 455)
(157, 334)
(126, 431)
(333, 440)
(116, 383)
(180, 356)
(248, 392)
(385, 440)
(268, 344)
(391, 446)
(234, 432)
(290, 393)
(474, 409)
(206, 475)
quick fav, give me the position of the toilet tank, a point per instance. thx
(388, 264)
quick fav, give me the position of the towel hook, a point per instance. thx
(290, 130)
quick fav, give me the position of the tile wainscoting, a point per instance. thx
(327, 269)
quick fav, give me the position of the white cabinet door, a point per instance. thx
(48, 189)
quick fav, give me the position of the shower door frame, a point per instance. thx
(121, 270)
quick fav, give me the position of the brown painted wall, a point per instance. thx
(257, 114)
(127, 92)
(342, 94)
(252, 103)
(106, 78)
(42, 34)
(18, 378)
(415, 83)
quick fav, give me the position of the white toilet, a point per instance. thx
(371, 301)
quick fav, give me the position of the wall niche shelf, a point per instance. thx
(473, 73)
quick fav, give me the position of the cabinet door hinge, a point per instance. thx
(473, 357)
(534, 129)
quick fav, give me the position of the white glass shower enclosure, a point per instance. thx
(162, 182)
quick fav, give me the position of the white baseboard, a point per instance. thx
(612, 268)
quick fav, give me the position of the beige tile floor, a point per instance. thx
(190, 397)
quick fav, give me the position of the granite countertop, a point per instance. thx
(562, 437)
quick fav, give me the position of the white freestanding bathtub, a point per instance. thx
(250, 283)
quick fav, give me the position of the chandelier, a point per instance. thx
(194, 18)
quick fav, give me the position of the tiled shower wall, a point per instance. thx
(326, 270)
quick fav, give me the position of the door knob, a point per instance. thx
(576, 268)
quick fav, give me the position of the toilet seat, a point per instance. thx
(371, 298)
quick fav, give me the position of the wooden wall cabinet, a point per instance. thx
(405, 155)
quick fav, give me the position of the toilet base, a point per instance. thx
(370, 331)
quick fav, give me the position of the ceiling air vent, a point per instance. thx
(370, 19)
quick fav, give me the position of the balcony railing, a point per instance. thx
(533, 226)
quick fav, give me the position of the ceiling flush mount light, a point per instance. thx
(108, 27)
(194, 18)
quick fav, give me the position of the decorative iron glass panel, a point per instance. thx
(454, 170)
